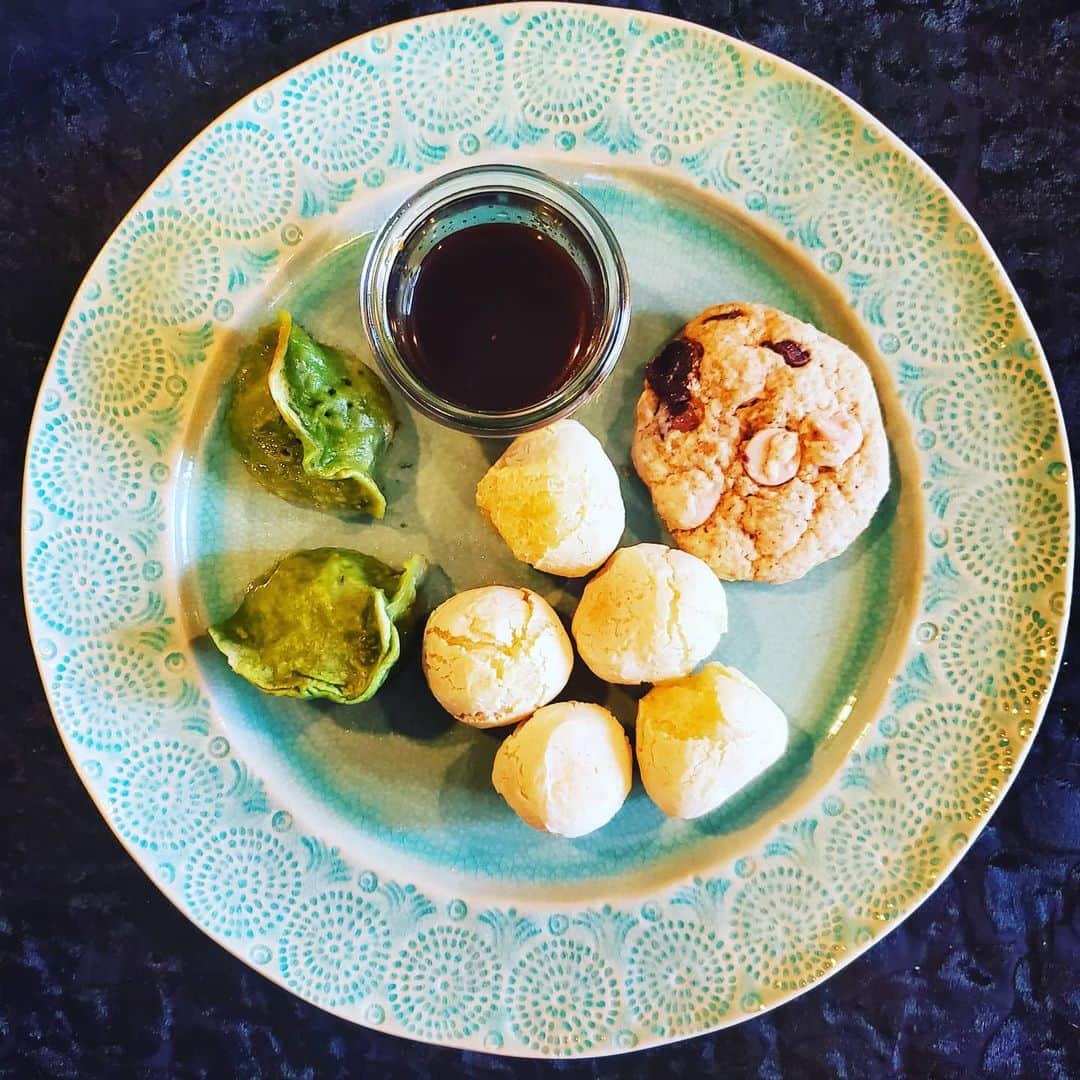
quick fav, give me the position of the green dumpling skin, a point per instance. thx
(337, 408)
(321, 624)
(310, 421)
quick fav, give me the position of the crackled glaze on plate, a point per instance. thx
(391, 886)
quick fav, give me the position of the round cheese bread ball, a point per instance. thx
(494, 655)
(701, 739)
(554, 498)
(651, 614)
(567, 770)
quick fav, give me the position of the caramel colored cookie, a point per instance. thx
(761, 441)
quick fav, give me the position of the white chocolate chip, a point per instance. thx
(772, 456)
(832, 439)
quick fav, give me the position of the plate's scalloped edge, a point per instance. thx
(95, 563)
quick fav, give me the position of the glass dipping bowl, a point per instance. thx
(478, 196)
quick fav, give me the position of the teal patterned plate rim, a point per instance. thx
(807, 168)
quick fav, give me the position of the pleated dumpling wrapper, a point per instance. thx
(310, 421)
(324, 623)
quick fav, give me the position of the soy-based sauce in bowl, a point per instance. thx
(495, 299)
(499, 317)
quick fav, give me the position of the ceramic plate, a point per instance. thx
(358, 856)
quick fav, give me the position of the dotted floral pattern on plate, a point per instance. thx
(242, 882)
(882, 211)
(679, 977)
(87, 466)
(164, 267)
(563, 995)
(336, 117)
(950, 307)
(880, 853)
(445, 983)
(794, 138)
(951, 762)
(567, 65)
(238, 179)
(449, 78)
(804, 929)
(112, 696)
(335, 949)
(680, 85)
(83, 580)
(996, 651)
(167, 795)
(1005, 401)
(1010, 535)
(109, 364)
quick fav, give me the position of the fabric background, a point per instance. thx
(100, 976)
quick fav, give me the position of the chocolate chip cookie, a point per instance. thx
(761, 441)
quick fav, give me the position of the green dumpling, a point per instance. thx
(337, 408)
(310, 421)
(321, 624)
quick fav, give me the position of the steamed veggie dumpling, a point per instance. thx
(270, 450)
(324, 623)
(310, 421)
(338, 409)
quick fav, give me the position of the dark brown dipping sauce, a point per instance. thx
(499, 318)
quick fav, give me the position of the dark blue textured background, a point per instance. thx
(100, 976)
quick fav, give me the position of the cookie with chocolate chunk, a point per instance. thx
(761, 441)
